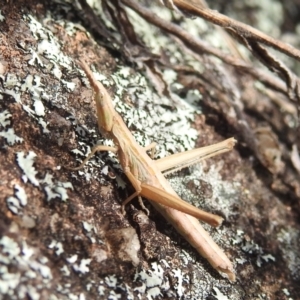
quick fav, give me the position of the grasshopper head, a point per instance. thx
(105, 111)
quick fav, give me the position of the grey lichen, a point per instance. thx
(26, 162)
(27, 264)
(16, 203)
(9, 134)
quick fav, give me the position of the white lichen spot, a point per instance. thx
(35, 59)
(286, 292)
(130, 295)
(70, 86)
(5, 118)
(120, 182)
(65, 270)
(45, 272)
(250, 247)
(35, 88)
(193, 97)
(13, 205)
(72, 296)
(241, 261)
(39, 107)
(114, 296)
(11, 137)
(87, 227)
(219, 295)
(33, 293)
(26, 164)
(111, 281)
(152, 281)
(166, 264)
(9, 281)
(16, 203)
(43, 260)
(28, 83)
(29, 110)
(141, 289)
(295, 157)
(19, 263)
(81, 296)
(12, 81)
(43, 125)
(2, 18)
(105, 170)
(289, 243)
(223, 193)
(178, 287)
(72, 259)
(77, 152)
(61, 187)
(268, 257)
(21, 194)
(154, 292)
(10, 247)
(30, 274)
(57, 246)
(55, 189)
(101, 290)
(48, 46)
(82, 267)
(57, 72)
(238, 238)
(170, 76)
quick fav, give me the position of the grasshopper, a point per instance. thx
(148, 181)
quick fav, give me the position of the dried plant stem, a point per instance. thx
(197, 46)
(239, 28)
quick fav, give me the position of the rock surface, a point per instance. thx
(62, 232)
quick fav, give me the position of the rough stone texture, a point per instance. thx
(62, 232)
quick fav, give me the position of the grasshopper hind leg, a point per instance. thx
(141, 202)
(136, 194)
(152, 148)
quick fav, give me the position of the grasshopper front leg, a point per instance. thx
(94, 150)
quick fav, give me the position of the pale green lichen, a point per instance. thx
(219, 295)
(26, 264)
(15, 204)
(55, 188)
(9, 134)
(26, 162)
(11, 137)
(224, 193)
(289, 245)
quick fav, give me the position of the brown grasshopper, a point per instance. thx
(148, 181)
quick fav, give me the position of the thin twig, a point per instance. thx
(199, 46)
(239, 28)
